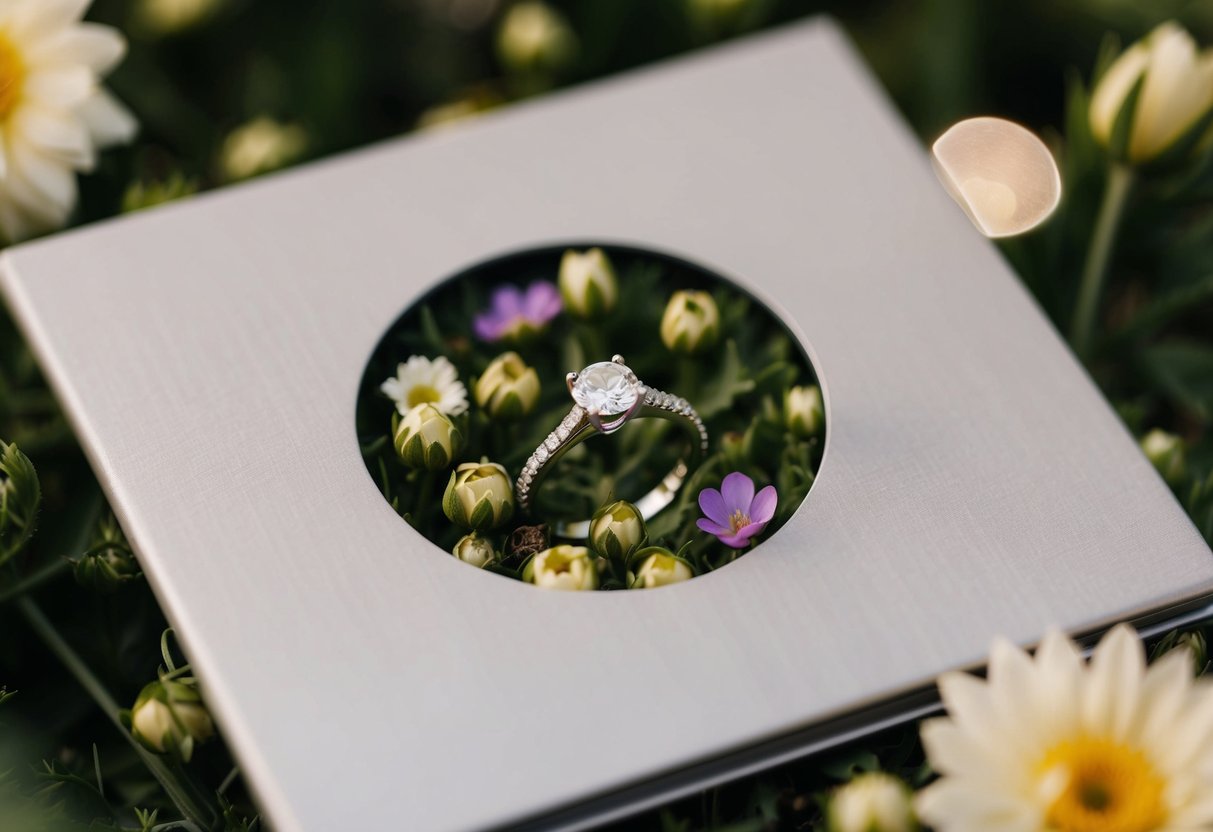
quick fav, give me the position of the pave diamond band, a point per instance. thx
(607, 395)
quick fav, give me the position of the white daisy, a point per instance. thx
(54, 113)
(1054, 744)
(420, 380)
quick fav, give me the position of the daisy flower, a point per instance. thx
(420, 381)
(54, 114)
(516, 315)
(1053, 743)
(734, 513)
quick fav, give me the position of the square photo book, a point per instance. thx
(223, 361)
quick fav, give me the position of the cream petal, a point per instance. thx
(954, 751)
(41, 185)
(1194, 734)
(1113, 683)
(60, 88)
(1010, 692)
(1059, 672)
(1164, 693)
(98, 47)
(955, 804)
(1162, 111)
(56, 132)
(108, 120)
(33, 20)
(1113, 87)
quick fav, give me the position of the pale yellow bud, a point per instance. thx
(563, 567)
(691, 322)
(1176, 94)
(804, 411)
(509, 388)
(587, 283)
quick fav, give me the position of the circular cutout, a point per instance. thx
(591, 417)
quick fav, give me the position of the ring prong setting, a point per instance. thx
(570, 380)
(618, 359)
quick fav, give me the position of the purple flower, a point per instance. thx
(513, 314)
(734, 513)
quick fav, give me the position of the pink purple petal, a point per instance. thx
(762, 509)
(507, 302)
(542, 302)
(738, 492)
(712, 528)
(750, 530)
(734, 542)
(712, 504)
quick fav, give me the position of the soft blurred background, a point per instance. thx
(229, 89)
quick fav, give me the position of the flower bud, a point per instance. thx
(563, 567)
(479, 496)
(1173, 98)
(1166, 451)
(140, 194)
(474, 549)
(1193, 641)
(534, 38)
(874, 802)
(509, 388)
(691, 322)
(169, 717)
(260, 146)
(660, 567)
(616, 530)
(733, 446)
(803, 411)
(425, 438)
(587, 283)
(109, 562)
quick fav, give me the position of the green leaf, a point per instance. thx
(732, 380)
(1122, 127)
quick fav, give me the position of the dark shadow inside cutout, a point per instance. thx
(740, 385)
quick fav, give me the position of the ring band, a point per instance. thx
(607, 395)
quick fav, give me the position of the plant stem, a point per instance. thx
(1103, 238)
(33, 581)
(185, 803)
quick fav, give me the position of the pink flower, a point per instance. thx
(515, 315)
(734, 513)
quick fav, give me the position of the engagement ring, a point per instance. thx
(607, 395)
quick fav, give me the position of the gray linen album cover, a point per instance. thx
(974, 482)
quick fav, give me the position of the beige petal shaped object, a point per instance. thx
(1000, 173)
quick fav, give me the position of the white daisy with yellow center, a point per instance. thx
(423, 381)
(1052, 744)
(54, 113)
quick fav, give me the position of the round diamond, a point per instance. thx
(606, 387)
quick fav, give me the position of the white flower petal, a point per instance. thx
(956, 805)
(33, 20)
(1163, 111)
(40, 184)
(61, 88)
(57, 133)
(98, 47)
(1113, 87)
(107, 119)
(1113, 686)
(1164, 694)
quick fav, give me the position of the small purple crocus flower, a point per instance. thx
(734, 513)
(513, 314)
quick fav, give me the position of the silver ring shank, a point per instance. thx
(576, 428)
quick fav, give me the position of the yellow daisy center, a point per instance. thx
(1103, 786)
(12, 73)
(423, 394)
